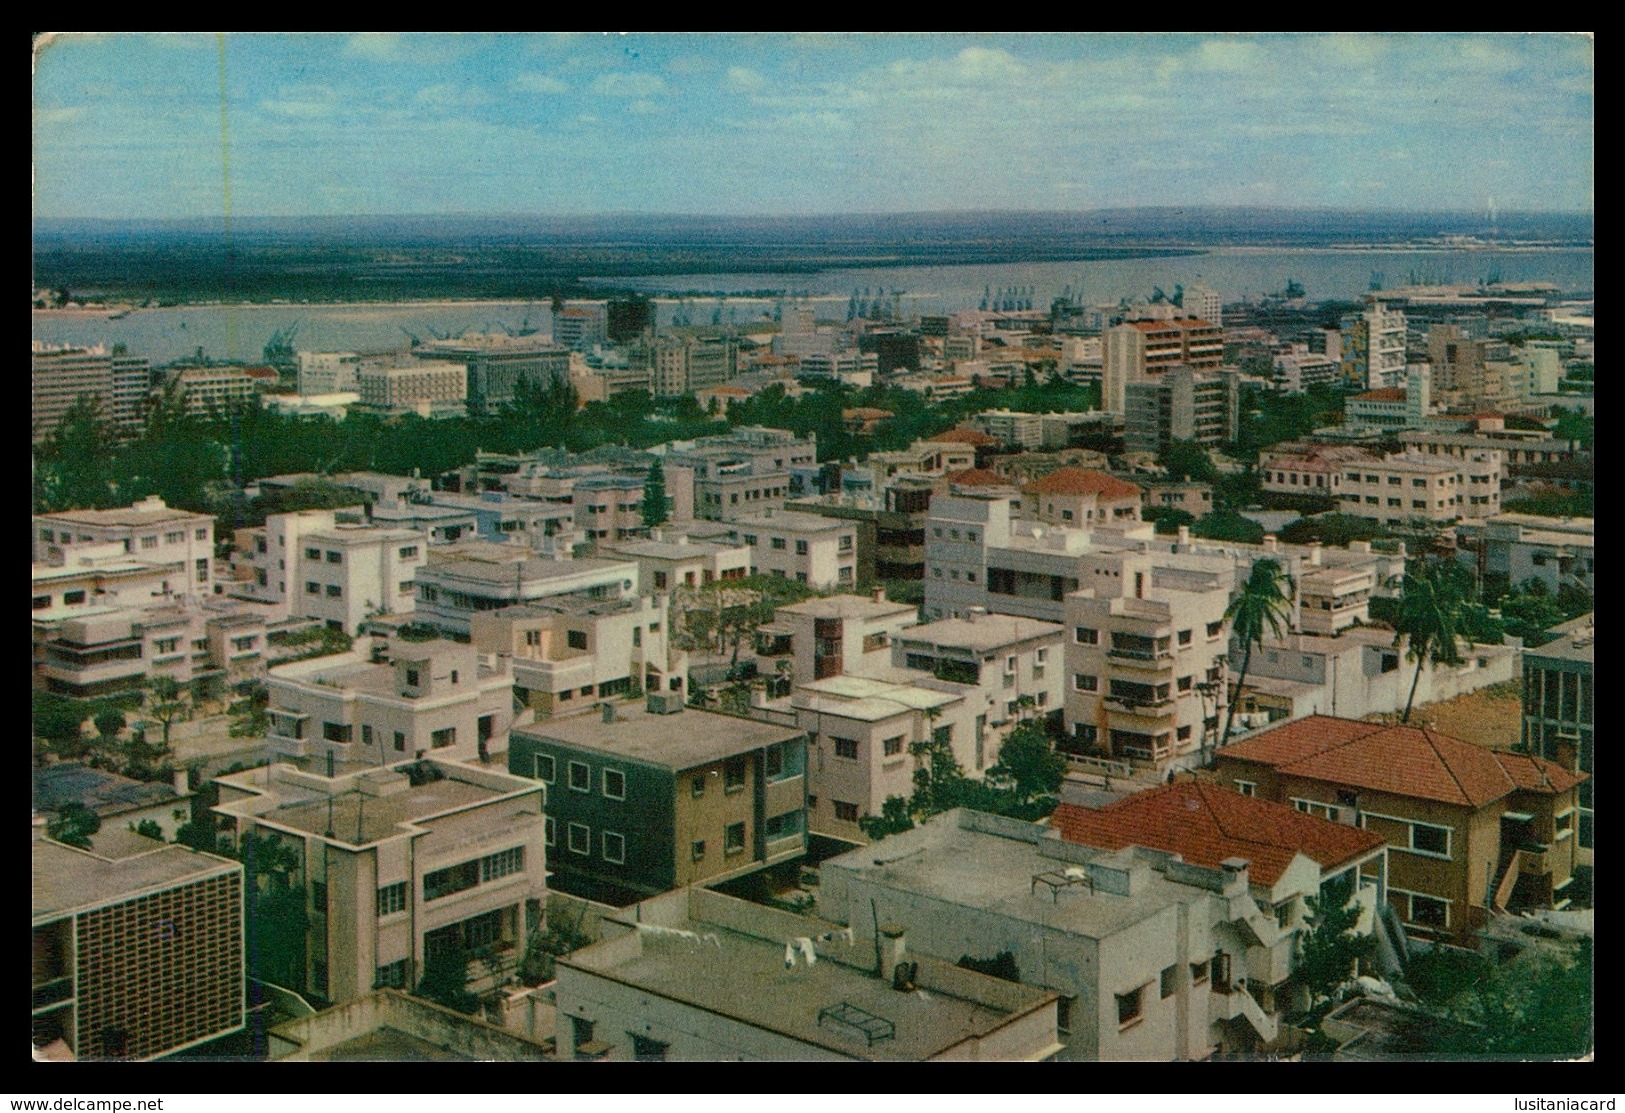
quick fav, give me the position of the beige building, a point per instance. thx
(391, 703)
(1146, 655)
(215, 390)
(346, 574)
(102, 575)
(569, 650)
(62, 374)
(460, 582)
(148, 530)
(402, 864)
(428, 388)
(839, 635)
(1080, 497)
(698, 976)
(1438, 490)
(109, 649)
(668, 561)
(808, 548)
(1138, 350)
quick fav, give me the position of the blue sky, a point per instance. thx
(129, 125)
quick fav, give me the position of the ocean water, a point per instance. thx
(241, 332)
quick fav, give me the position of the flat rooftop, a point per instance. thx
(989, 631)
(870, 698)
(994, 873)
(679, 741)
(102, 792)
(69, 880)
(846, 606)
(744, 977)
(532, 569)
(136, 515)
(669, 550)
(358, 818)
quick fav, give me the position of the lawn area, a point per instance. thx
(1490, 717)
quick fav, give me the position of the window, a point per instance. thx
(782, 826)
(175, 537)
(366, 734)
(1198, 972)
(1428, 839)
(697, 785)
(773, 761)
(1083, 635)
(41, 602)
(409, 552)
(203, 571)
(893, 746)
(614, 847)
(778, 543)
(336, 732)
(846, 747)
(1184, 683)
(614, 784)
(313, 554)
(334, 591)
(503, 863)
(392, 898)
(454, 879)
(645, 1050)
(201, 535)
(733, 774)
(318, 895)
(166, 645)
(1182, 734)
(1170, 981)
(1214, 629)
(845, 812)
(1185, 637)
(440, 739)
(734, 839)
(550, 830)
(1247, 788)
(580, 777)
(392, 976)
(334, 558)
(404, 587)
(1082, 682)
(1129, 1007)
(580, 839)
(697, 850)
(150, 542)
(576, 639)
(312, 589)
(400, 742)
(801, 548)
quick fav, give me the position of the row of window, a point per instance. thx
(612, 844)
(612, 782)
(150, 541)
(467, 875)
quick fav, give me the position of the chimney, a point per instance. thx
(894, 947)
(880, 595)
(1314, 552)
(608, 710)
(1184, 537)
(974, 613)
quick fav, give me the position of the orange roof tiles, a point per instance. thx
(1205, 824)
(1536, 774)
(1401, 760)
(1082, 481)
(1382, 394)
(962, 436)
(976, 477)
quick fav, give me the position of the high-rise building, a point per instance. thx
(1153, 342)
(1559, 716)
(581, 326)
(497, 362)
(1181, 405)
(1374, 345)
(63, 373)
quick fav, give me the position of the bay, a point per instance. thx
(241, 332)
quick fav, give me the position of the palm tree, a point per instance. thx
(1264, 603)
(1432, 609)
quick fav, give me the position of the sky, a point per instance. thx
(129, 125)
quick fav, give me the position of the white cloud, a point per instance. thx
(980, 63)
(451, 95)
(537, 83)
(629, 84)
(57, 115)
(645, 108)
(742, 79)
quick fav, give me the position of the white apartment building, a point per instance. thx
(1080, 497)
(61, 374)
(808, 548)
(608, 507)
(428, 388)
(1374, 345)
(1556, 551)
(400, 864)
(392, 702)
(148, 530)
(1391, 408)
(350, 573)
(1439, 490)
(1145, 655)
(488, 577)
(265, 553)
(211, 390)
(103, 649)
(1158, 958)
(670, 561)
(569, 650)
(328, 372)
(843, 634)
(102, 575)
(1009, 669)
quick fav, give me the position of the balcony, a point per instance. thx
(1155, 660)
(1535, 860)
(1144, 708)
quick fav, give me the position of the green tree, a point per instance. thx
(445, 979)
(60, 722)
(894, 818)
(75, 463)
(149, 828)
(1432, 599)
(1227, 525)
(109, 722)
(1264, 604)
(1540, 1006)
(1188, 459)
(1029, 765)
(655, 503)
(167, 705)
(1333, 529)
(1330, 950)
(73, 824)
(275, 917)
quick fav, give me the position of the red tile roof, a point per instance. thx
(976, 477)
(962, 436)
(1536, 774)
(1082, 481)
(1382, 394)
(1205, 824)
(1401, 760)
(865, 412)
